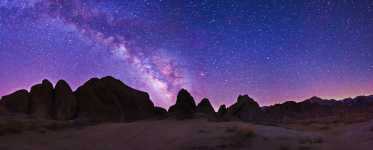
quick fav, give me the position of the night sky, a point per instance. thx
(271, 50)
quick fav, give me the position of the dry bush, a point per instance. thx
(247, 131)
(240, 136)
(316, 140)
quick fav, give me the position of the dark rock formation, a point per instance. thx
(110, 99)
(64, 102)
(16, 102)
(41, 100)
(317, 108)
(280, 112)
(90, 106)
(222, 111)
(245, 109)
(2, 109)
(204, 107)
(160, 112)
(185, 106)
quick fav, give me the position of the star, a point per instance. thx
(254, 47)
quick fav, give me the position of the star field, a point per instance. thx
(271, 50)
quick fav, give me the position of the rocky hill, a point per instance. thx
(105, 99)
(108, 99)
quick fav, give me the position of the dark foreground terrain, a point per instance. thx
(107, 114)
(194, 135)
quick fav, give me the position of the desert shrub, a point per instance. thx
(317, 140)
(247, 131)
(240, 136)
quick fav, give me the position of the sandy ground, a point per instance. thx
(192, 135)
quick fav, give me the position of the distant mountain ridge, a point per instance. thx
(109, 99)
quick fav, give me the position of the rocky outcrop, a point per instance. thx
(134, 103)
(105, 99)
(205, 107)
(222, 111)
(280, 112)
(185, 106)
(160, 112)
(2, 110)
(64, 101)
(316, 108)
(245, 109)
(110, 99)
(41, 100)
(16, 102)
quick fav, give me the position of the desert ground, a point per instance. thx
(196, 134)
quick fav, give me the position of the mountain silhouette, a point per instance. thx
(109, 99)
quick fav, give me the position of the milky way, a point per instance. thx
(160, 74)
(272, 50)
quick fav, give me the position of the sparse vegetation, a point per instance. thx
(247, 131)
(317, 140)
(240, 136)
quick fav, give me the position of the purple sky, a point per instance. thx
(271, 50)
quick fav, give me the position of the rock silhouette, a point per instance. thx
(17, 102)
(160, 112)
(109, 99)
(205, 107)
(105, 99)
(185, 106)
(222, 111)
(245, 109)
(65, 103)
(41, 100)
